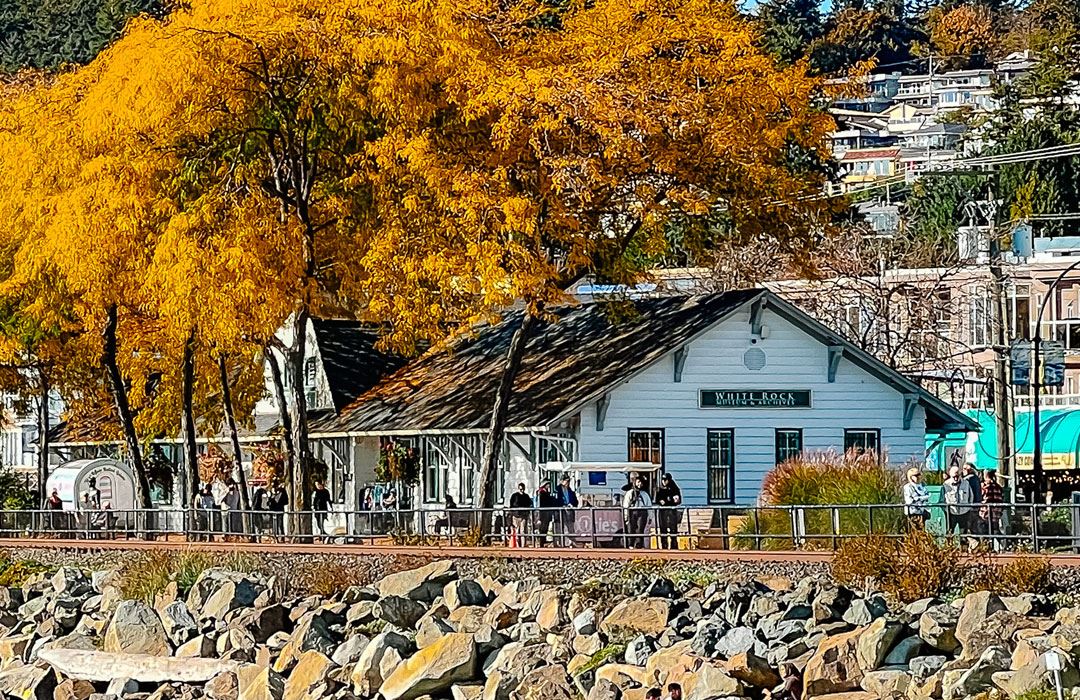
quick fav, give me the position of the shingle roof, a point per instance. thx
(350, 359)
(569, 359)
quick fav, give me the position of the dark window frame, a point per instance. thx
(876, 432)
(727, 487)
(777, 447)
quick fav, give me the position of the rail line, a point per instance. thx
(437, 552)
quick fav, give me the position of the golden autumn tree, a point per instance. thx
(570, 140)
(964, 35)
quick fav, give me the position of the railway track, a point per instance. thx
(436, 552)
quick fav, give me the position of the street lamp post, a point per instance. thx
(1036, 454)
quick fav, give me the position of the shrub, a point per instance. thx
(15, 572)
(148, 574)
(326, 577)
(610, 652)
(1027, 573)
(823, 479)
(909, 569)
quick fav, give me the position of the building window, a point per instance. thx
(721, 466)
(788, 444)
(979, 317)
(436, 473)
(862, 440)
(647, 446)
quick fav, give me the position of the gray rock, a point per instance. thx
(463, 592)
(708, 636)
(638, 650)
(122, 687)
(922, 667)
(136, 629)
(102, 667)
(862, 612)
(350, 650)
(937, 627)
(661, 587)
(965, 683)
(219, 591)
(904, 651)
(370, 670)
(585, 623)
(399, 611)
(178, 623)
(976, 609)
(423, 584)
(70, 581)
(736, 641)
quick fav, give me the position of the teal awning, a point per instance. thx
(1060, 439)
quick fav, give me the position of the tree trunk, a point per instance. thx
(283, 409)
(489, 466)
(301, 476)
(123, 408)
(189, 487)
(234, 438)
(43, 435)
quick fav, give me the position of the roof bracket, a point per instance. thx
(836, 353)
(911, 402)
(680, 362)
(601, 412)
(756, 309)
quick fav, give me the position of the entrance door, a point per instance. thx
(647, 445)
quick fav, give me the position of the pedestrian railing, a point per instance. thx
(1032, 527)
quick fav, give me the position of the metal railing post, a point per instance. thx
(1035, 528)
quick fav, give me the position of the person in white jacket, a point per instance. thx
(916, 500)
(957, 497)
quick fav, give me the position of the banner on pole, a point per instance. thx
(1020, 360)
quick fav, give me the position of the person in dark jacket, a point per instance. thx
(279, 501)
(548, 503)
(669, 498)
(320, 504)
(520, 509)
(971, 477)
(568, 501)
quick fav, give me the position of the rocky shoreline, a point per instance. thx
(438, 633)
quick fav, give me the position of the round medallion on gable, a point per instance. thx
(754, 359)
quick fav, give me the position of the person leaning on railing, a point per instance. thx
(916, 500)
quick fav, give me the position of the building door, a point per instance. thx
(647, 445)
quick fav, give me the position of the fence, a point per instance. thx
(1026, 526)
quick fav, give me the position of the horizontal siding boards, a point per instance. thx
(653, 399)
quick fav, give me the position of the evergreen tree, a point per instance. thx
(788, 27)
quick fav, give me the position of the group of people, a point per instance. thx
(971, 502)
(554, 519)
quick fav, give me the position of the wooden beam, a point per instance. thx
(680, 362)
(601, 412)
(911, 402)
(756, 310)
(836, 353)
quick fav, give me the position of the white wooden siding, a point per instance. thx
(795, 360)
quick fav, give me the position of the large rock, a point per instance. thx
(1000, 628)
(551, 615)
(100, 666)
(433, 670)
(887, 684)
(259, 683)
(1031, 674)
(70, 581)
(178, 622)
(219, 591)
(545, 683)
(904, 651)
(399, 611)
(311, 669)
(635, 616)
(736, 641)
(504, 671)
(423, 584)
(976, 609)
(350, 650)
(71, 689)
(13, 649)
(922, 667)
(136, 629)
(463, 592)
(313, 632)
(967, 683)
(834, 667)
(937, 627)
(752, 670)
(874, 644)
(368, 673)
(28, 683)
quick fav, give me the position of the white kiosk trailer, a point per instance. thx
(115, 486)
(599, 519)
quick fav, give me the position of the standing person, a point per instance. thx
(520, 506)
(916, 500)
(260, 503)
(957, 496)
(279, 501)
(230, 503)
(674, 691)
(320, 504)
(971, 477)
(53, 504)
(568, 501)
(93, 493)
(636, 504)
(206, 507)
(992, 495)
(446, 522)
(669, 498)
(548, 504)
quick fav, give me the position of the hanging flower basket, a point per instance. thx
(398, 463)
(268, 465)
(215, 466)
